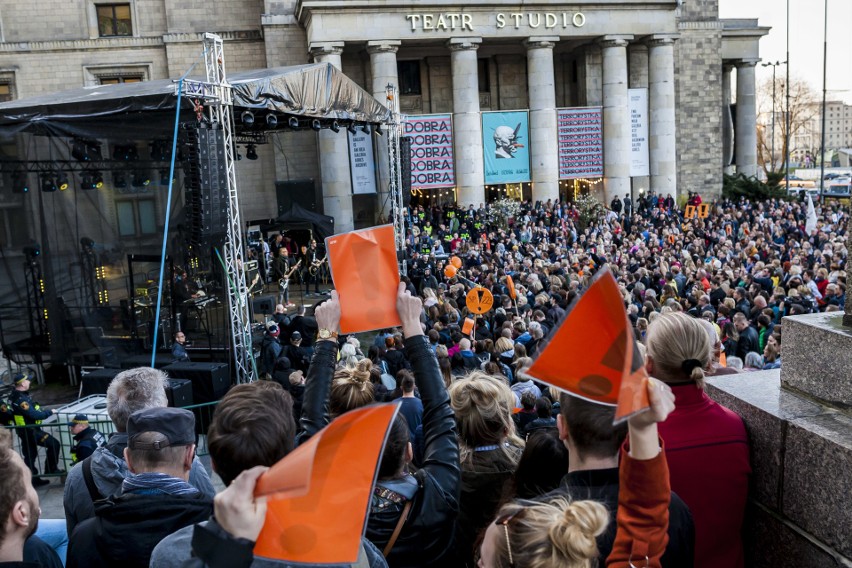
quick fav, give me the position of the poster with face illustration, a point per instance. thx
(505, 146)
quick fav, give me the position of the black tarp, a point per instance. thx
(300, 218)
(145, 110)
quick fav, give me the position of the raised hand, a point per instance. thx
(327, 314)
(409, 307)
(237, 510)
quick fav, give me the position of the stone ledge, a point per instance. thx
(808, 342)
(801, 456)
(81, 44)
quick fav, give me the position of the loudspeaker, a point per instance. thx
(210, 381)
(304, 192)
(263, 305)
(179, 392)
(160, 361)
(405, 168)
(205, 184)
(97, 382)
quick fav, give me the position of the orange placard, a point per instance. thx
(593, 355)
(510, 284)
(704, 210)
(689, 213)
(319, 495)
(450, 271)
(366, 276)
(456, 261)
(467, 327)
(479, 300)
(671, 239)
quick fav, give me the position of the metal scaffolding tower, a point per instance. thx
(218, 98)
(395, 131)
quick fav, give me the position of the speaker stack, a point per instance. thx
(205, 185)
(210, 382)
(405, 168)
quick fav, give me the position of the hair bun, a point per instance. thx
(574, 532)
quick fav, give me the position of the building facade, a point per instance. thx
(455, 58)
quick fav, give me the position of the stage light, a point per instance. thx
(164, 177)
(32, 251)
(379, 130)
(98, 179)
(335, 126)
(87, 242)
(247, 118)
(351, 128)
(316, 124)
(20, 182)
(251, 152)
(86, 181)
(62, 181)
(293, 122)
(125, 153)
(271, 120)
(78, 151)
(140, 179)
(366, 128)
(48, 183)
(161, 150)
(119, 180)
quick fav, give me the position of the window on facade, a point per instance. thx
(114, 20)
(6, 92)
(116, 79)
(484, 78)
(409, 77)
(136, 218)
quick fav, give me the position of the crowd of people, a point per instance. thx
(483, 466)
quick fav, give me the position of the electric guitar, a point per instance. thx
(284, 282)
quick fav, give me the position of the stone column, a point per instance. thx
(334, 155)
(383, 67)
(661, 105)
(637, 57)
(727, 121)
(616, 117)
(467, 124)
(544, 151)
(746, 133)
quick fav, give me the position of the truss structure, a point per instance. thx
(218, 98)
(395, 131)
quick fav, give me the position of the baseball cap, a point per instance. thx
(21, 377)
(295, 335)
(176, 427)
(273, 329)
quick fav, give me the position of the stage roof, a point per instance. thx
(143, 110)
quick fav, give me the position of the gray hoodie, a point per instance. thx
(108, 472)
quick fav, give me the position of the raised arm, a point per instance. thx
(644, 491)
(441, 449)
(320, 372)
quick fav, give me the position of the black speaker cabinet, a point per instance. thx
(210, 381)
(263, 305)
(179, 392)
(160, 361)
(98, 381)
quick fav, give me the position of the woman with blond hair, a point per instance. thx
(489, 451)
(706, 444)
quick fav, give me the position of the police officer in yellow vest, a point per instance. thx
(28, 412)
(86, 438)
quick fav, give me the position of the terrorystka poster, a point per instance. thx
(505, 145)
(431, 150)
(580, 135)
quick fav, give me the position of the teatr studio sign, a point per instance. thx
(450, 21)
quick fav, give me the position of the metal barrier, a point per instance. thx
(61, 431)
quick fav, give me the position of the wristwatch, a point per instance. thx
(326, 334)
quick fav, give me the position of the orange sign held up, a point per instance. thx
(467, 327)
(593, 355)
(689, 212)
(703, 210)
(456, 261)
(479, 300)
(450, 271)
(319, 495)
(510, 284)
(366, 276)
(671, 239)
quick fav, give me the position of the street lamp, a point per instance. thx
(774, 65)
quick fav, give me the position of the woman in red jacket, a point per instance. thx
(561, 534)
(706, 444)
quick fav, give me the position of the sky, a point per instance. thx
(806, 40)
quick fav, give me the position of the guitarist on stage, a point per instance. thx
(282, 270)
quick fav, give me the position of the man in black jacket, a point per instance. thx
(748, 340)
(593, 447)
(155, 502)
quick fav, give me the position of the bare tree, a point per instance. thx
(803, 108)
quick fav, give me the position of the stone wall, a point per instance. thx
(698, 70)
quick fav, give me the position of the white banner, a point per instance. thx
(362, 166)
(639, 157)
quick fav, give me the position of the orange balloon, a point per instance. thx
(456, 261)
(450, 271)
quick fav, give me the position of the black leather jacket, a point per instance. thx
(426, 538)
